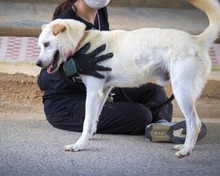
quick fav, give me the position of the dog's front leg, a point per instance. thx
(102, 98)
(94, 102)
(90, 118)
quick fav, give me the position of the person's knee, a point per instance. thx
(61, 121)
(53, 121)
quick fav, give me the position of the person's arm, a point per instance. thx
(86, 64)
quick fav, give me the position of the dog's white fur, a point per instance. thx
(139, 55)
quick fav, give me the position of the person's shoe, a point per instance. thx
(164, 131)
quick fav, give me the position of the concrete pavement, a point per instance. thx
(30, 146)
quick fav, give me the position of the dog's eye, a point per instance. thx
(46, 44)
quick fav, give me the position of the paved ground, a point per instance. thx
(30, 146)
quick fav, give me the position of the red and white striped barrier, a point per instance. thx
(19, 48)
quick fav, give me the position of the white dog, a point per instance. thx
(139, 55)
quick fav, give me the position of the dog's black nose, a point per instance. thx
(39, 63)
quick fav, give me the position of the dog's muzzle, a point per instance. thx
(39, 63)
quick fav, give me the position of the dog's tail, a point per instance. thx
(212, 10)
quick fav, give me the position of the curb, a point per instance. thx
(183, 4)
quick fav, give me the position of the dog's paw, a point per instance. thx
(183, 152)
(72, 148)
(178, 147)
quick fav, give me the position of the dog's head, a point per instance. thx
(58, 41)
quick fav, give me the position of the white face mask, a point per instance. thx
(97, 4)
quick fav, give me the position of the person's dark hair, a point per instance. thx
(60, 8)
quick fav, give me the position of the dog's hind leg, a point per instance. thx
(193, 123)
(187, 84)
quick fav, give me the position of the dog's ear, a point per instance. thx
(58, 28)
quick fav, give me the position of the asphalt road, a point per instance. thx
(30, 146)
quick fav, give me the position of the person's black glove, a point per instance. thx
(86, 64)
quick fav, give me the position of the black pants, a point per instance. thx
(120, 116)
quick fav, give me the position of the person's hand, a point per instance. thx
(86, 64)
